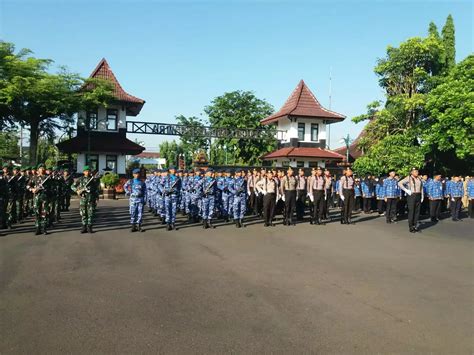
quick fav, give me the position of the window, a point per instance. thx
(111, 163)
(93, 121)
(300, 164)
(285, 163)
(314, 132)
(313, 164)
(93, 162)
(112, 120)
(301, 127)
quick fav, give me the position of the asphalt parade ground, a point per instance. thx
(340, 289)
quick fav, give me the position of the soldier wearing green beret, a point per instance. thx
(41, 187)
(21, 186)
(10, 203)
(87, 188)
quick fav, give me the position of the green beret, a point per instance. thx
(86, 167)
(66, 169)
(40, 166)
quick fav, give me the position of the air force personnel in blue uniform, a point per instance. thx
(171, 191)
(137, 190)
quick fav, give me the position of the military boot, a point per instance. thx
(84, 229)
(38, 231)
(140, 229)
(89, 229)
(241, 223)
(45, 231)
(204, 224)
(168, 227)
(134, 228)
(209, 223)
(173, 226)
(237, 223)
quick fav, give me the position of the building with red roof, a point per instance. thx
(104, 144)
(305, 121)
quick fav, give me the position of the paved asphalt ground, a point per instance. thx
(367, 288)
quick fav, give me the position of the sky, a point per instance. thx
(179, 55)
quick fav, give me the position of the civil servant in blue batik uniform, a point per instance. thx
(435, 195)
(455, 193)
(136, 189)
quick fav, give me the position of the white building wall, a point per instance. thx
(293, 162)
(121, 162)
(102, 117)
(291, 128)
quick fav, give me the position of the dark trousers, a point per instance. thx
(268, 207)
(367, 203)
(391, 209)
(380, 206)
(300, 203)
(435, 209)
(455, 207)
(318, 203)
(327, 203)
(259, 204)
(253, 200)
(348, 204)
(471, 208)
(290, 205)
(414, 205)
(425, 206)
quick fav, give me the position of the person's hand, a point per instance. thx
(385, 199)
(342, 197)
(452, 199)
(408, 192)
(283, 198)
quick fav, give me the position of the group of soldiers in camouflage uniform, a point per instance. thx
(44, 193)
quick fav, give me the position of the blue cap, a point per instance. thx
(211, 170)
(136, 171)
(172, 167)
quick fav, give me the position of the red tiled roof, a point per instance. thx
(103, 71)
(150, 155)
(101, 142)
(303, 152)
(302, 102)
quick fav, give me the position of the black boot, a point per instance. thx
(173, 226)
(89, 229)
(45, 231)
(209, 223)
(140, 229)
(205, 225)
(241, 223)
(38, 231)
(168, 227)
(134, 228)
(163, 221)
(84, 229)
(237, 223)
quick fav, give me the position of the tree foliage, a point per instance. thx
(44, 102)
(240, 109)
(428, 109)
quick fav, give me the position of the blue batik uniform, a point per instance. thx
(391, 189)
(357, 190)
(171, 190)
(182, 196)
(367, 190)
(470, 189)
(137, 190)
(435, 190)
(149, 195)
(208, 197)
(238, 189)
(379, 191)
(456, 189)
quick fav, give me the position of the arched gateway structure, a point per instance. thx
(101, 142)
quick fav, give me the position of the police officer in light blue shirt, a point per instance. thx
(137, 190)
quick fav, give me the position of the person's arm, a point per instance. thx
(401, 185)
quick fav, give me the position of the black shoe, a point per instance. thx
(45, 231)
(266, 225)
(163, 221)
(173, 226)
(140, 229)
(311, 221)
(84, 229)
(209, 223)
(241, 222)
(343, 222)
(38, 231)
(89, 229)
(204, 224)
(417, 230)
(389, 221)
(169, 227)
(412, 230)
(237, 223)
(134, 228)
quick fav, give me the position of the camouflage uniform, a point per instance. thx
(41, 200)
(21, 186)
(11, 208)
(87, 187)
(3, 198)
(67, 182)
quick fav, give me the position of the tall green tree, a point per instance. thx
(9, 145)
(449, 42)
(43, 102)
(191, 145)
(241, 109)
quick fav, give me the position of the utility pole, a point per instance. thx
(330, 102)
(21, 144)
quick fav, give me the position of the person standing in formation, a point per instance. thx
(301, 193)
(317, 195)
(171, 189)
(87, 188)
(435, 195)
(208, 188)
(238, 188)
(328, 187)
(455, 194)
(347, 195)
(268, 188)
(40, 185)
(413, 187)
(391, 193)
(137, 190)
(288, 192)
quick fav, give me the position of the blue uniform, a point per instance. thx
(171, 190)
(227, 198)
(380, 191)
(195, 192)
(357, 190)
(238, 189)
(391, 189)
(434, 190)
(208, 188)
(367, 189)
(456, 189)
(137, 190)
(220, 184)
(470, 189)
(182, 196)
